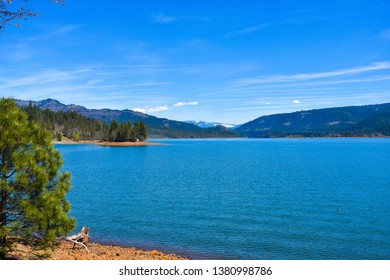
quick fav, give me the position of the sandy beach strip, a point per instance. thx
(127, 144)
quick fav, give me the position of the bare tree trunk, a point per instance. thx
(80, 238)
(3, 223)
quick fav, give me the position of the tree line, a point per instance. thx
(75, 126)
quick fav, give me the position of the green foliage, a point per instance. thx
(156, 127)
(78, 127)
(59, 136)
(352, 121)
(76, 137)
(140, 131)
(33, 190)
(67, 123)
(122, 132)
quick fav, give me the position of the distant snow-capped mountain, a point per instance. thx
(204, 124)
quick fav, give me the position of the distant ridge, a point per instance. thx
(204, 124)
(352, 121)
(157, 127)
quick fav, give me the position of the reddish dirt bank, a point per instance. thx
(109, 144)
(65, 251)
(127, 144)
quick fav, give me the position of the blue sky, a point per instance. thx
(226, 61)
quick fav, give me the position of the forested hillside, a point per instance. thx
(352, 121)
(157, 127)
(73, 125)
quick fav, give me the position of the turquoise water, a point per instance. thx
(237, 199)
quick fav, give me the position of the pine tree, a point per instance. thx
(77, 127)
(140, 131)
(113, 133)
(143, 134)
(76, 137)
(32, 188)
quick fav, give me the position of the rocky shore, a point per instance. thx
(65, 251)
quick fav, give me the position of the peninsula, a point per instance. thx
(107, 144)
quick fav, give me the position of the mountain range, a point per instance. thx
(352, 121)
(157, 127)
(204, 124)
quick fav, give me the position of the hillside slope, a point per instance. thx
(353, 121)
(157, 127)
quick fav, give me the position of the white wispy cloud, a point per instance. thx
(66, 29)
(18, 52)
(51, 32)
(141, 110)
(162, 18)
(383, 65)
(154, 109)
(245, 31)
(180, 104)
(288, 18)
(296, 101)
(42, 78)
(89, 86)
(149, 110)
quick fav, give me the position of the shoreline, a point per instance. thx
(98, 251)
(127, 144)
(107, 144)
(146, 143)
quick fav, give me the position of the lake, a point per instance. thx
(237, 199)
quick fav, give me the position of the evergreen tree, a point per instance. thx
(143, 134)
(136, 128)
(113, 131)
(32, 188)
(76, 137)
(77, 127)
(59, 136)
(140, 131)
(132, 136)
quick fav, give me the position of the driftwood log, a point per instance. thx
(80, 238)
